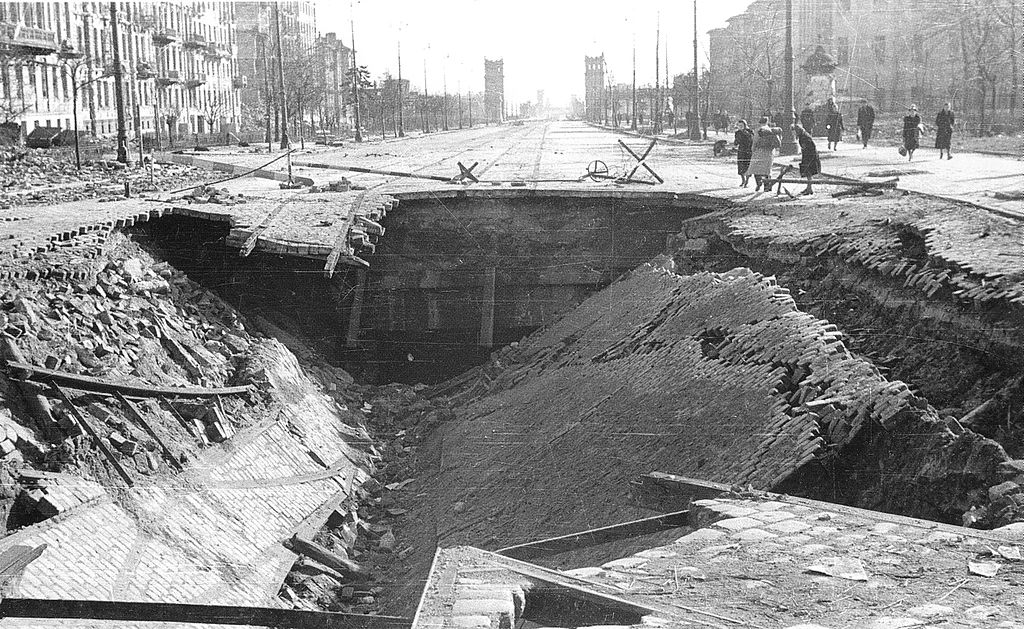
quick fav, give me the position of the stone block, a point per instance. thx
(737, 524)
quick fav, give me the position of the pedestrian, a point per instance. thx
(807, 119)
(744, 141)
(944, 131)
(834, 127)
(766, 140)
(810, 164)
(911, 132)
(865, 122)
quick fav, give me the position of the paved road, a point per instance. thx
(557, 153)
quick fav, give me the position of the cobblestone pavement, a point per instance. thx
(213, 533)
(757, 562)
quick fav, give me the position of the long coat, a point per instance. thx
(944, 129)
(764, 147)
(866, 116)
(744, 142)
(810, 164)
(835, 127)
(911, 131)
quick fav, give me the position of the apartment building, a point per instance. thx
(178, 60)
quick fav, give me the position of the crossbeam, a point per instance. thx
(138, 611)
(641, 161)
(593, 537)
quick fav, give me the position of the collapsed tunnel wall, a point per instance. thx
(906, 309)
(449, 280)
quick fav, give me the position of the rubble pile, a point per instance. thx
(126, 319)
(210, 194)
(48, 176)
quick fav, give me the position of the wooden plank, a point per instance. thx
(134, 611)
(16, 558)
(487, 308)
(188, 426)
(26, 371)
(342, 245)
(173, 460)
(93, 434)
(374, 171)
(316, 552)
(264, 225)
(593, 537)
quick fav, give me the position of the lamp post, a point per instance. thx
(72, 61)
(788, 110)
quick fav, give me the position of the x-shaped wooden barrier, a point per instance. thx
(640, 162)
(466, 173)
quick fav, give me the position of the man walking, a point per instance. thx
(944, 131)
(866, 122)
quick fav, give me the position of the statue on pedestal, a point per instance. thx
(819, 89)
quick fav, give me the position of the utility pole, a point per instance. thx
(355, 79)
(668, 91)
(401, 119)
(657, 79)
(122, 137)
(426, 99)
(444, 80)
(789, 111)
(695, 118)
(266, 88)
(460, 104)
(285, 142)
(632, 124)
(470, 108)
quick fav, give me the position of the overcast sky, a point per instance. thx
(543, 42)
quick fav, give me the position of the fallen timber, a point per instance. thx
(87, 427)
(26, 371)
(138, 611)
(374, 171)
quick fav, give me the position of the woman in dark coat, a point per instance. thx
(944, 131)
(911, 132)
(810, 165)
(834, 124)
(744, 142)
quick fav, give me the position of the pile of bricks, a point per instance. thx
(50, 494)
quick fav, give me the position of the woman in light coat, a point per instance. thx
(766, 140)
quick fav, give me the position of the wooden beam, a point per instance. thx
(355, 314)
(487, 309)
(134, 412)
(593, 537)
(374, 171)
(264, 225)
(26, 371)
(137, 611)
(116, 464)
(334, 561)
(342, 245)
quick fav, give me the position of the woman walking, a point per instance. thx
(911, 132)
(835, 127)
(810, 165)
(944, 131)
(744, 141)
(766, 140)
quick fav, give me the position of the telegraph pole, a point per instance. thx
(657, 79)
(285, 142)
(695, 119)
(426, 99)
(632, 124)
(122, 136)
(401, 119)
(355, 79)
(789, 111)
(444, 79)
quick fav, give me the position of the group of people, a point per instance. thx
(755, 154)
(755, 148)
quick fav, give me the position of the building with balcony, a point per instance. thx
(48, 48)
(255, 30)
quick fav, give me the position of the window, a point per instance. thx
(878, 48)
(843, 51)
(44, 82)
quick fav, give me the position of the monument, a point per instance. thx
(820, 87)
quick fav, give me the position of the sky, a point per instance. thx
(542, 42)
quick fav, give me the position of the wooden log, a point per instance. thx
(593, 537)
(188, 613)
(316, 552)
(16, 558)
(93, 434)
(26, 371)
(134, 412)
(374, 171)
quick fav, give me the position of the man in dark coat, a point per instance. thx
(911, 132)
(744, 141)
(865, 122)
(810, 164)
(807, 119)
(944, 131)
